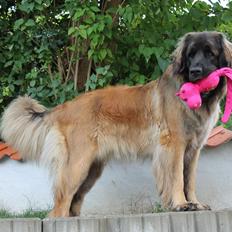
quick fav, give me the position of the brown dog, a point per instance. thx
(76, 139)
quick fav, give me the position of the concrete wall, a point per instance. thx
(20, 225)
(165, 222)
(123, 188)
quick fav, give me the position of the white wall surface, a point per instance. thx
(122, 188)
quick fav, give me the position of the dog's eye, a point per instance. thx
(209, 53)
(191, 54)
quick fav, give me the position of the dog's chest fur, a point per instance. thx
(198, 127)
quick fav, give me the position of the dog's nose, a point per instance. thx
(196, 71)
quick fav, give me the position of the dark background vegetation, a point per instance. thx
(56, 49)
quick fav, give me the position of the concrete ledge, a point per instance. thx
(21, 225)
(217, 221)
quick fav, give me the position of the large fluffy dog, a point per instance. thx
(76, 139)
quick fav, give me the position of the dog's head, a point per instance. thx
(200, 53)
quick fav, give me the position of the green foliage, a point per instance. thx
(29, 213)
(101, 78)
(158, 208)
(228, 125)
(53, 50)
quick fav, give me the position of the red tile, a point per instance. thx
(218, 136)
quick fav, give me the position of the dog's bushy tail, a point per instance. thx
(24, 126)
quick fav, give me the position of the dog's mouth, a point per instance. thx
(194, 78)
(206, 94)
(198, 78)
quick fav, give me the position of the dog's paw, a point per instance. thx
(185, 207)
(200, 206)
(189, 206)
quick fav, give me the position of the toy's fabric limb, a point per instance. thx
(228, 105)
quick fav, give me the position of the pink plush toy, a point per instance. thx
(190, 92)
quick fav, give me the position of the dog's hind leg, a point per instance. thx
(70, 177)
(95, 172)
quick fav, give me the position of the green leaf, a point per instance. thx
(83, 33)
(156, 73)
(93, 78)
(95, 9)
(92, 85)
(158, 51)
(26, 6)
(18, 82)
(89, 31)
(162, 63)
(101, 27)
(30, 23)
(18, 23)
(71, 30)
(94, 41)
(102, 70)
(39, 7)
(101, 82)
(39, 1)
(12, 88)
(79, 13)
(141, 79)
(40, 88)
(227, 16)
(6, 91)
(69, 87)
(91, 15)
(108, 19)
(90, 53)
(32, 83)
(146, 52)
(11, 46)
(129, 14)
(89, 20)
(55, 83)
(72, 48)
(8, 63)
(102, 54)
(121, 10)
(109, 53)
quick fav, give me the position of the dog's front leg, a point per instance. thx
(190, 165)
(168, 166)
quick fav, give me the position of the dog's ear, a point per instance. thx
(178, 57)
(225, 58)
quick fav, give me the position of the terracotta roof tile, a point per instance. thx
(218, 136)
(6, 150)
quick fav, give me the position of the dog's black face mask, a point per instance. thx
(200, 62)
(202, 54)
